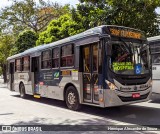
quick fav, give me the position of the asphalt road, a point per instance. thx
(31, 111)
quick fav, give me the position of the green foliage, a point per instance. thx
(1, 71)
(58, 29)
(27, 14)
(6, 45)
(25, 40)
(138, 14)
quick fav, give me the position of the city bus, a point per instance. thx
(104, 66)
(154, 43)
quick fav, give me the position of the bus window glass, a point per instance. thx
(155, 47)
(100, 53)
(86, 59)
(95, 58)
(129, 58)
(55, 56)
(67, 56)
(46, 59)
(25, 63)
(18, 65)
(156, 58)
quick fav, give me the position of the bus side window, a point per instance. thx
(18, 65)
(26, 63)
(67, 55)
(55, 58)
(46, 59)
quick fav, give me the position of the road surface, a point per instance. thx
(17, 111)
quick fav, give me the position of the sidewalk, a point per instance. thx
(2, 85)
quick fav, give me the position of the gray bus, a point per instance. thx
(154, 43)
(104, 66)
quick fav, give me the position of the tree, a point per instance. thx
(58, 29)
(25, 40)
(138, 14)
(27, 14)
(6, 45)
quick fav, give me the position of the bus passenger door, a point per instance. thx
(35, 71)
(11, 76)
(90, 73)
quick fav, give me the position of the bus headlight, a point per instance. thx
(111, 85)
(151, 82)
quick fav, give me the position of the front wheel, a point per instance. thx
(72, 99)
(22, 91)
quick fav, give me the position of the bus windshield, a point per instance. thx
(129, 58)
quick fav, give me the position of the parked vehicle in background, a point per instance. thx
(154, 43)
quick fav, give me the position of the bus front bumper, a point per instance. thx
(117, 98)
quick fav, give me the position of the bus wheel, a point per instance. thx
(22, 91)
(72, 99)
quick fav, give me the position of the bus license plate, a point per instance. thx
(136, 95)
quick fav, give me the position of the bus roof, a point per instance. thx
(154, 38)
(93, 31)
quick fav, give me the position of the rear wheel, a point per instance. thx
(22, 91)
(72, 99)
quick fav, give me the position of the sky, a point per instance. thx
(158, 10)
(62, 2)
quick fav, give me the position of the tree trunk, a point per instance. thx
(4, 71)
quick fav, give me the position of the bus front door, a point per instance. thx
(11, 76)
(35, 70)
(90, 73)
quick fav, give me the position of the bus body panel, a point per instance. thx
(32, 82)
(55, 88)
(16, 82)
(155, 86)
(54, 92)
(24, 78)
(57, 91)
(155, 78)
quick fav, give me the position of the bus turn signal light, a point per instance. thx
(101, 100)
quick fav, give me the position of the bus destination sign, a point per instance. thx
(125, 32)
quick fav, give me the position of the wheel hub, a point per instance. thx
(71, 98)
(22, 91)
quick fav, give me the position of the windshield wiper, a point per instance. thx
(128, 46)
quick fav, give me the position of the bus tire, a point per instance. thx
(72, 99)
(22, 91)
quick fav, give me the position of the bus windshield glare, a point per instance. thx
(129, 58)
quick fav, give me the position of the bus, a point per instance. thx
(104, 66)
(154, 43)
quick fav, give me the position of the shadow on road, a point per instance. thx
(6, 114)
(133, 114)
(46, 101)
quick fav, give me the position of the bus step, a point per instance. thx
(37, 96)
